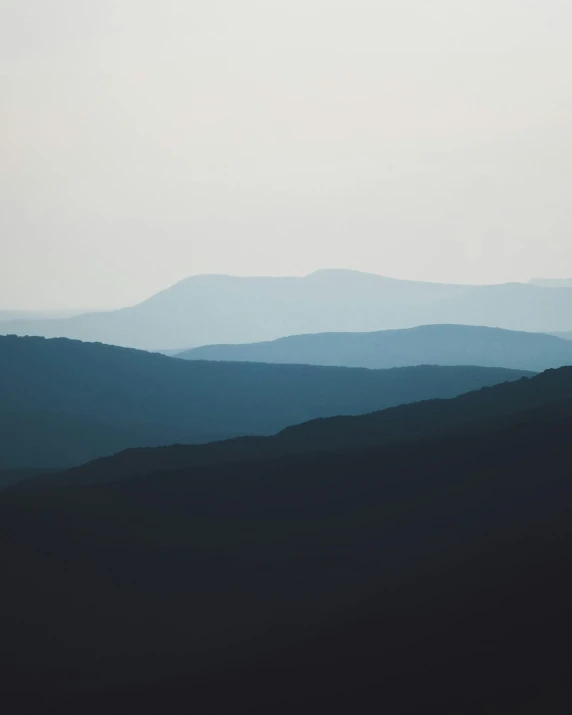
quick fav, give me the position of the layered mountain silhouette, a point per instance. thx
(428, 344)
(429, 574)
(213, 309)
(64, 402)
(497, 405)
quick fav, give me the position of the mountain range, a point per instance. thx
(64, 402)
(370, 515)
(428, 344)
(427, 573)
(214, 309)
(498, 405)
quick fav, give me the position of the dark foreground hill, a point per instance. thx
(425, 345)
(212, 309)
(428, 576)
(424, 420)
(64, 402)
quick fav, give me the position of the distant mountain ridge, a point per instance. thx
(428, 344)
(64, 402)
(213, 309)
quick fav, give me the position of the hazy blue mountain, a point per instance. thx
(425, 345)
(430, 575)
(17, 315)
(63, 402)
(213, 309)
(566, 335)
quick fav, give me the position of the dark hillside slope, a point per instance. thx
(420, 420)
(425, 345)
(64, 402)
(421, 577)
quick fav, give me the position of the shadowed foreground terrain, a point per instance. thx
(428, 575)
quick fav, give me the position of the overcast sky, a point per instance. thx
(147, 140)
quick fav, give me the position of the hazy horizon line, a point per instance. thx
(70, 311)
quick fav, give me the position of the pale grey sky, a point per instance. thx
(147, 140)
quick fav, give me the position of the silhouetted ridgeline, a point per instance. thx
(425, 345)
(65, 402)
(212, 309)
(427, 576)
(500, 404)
